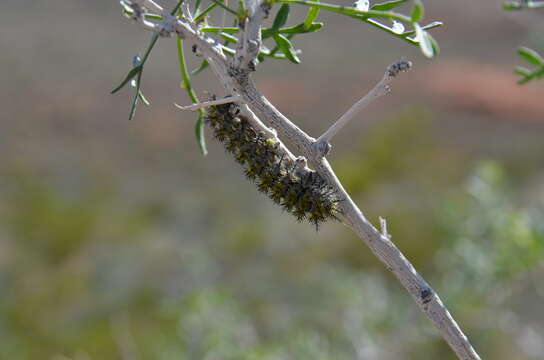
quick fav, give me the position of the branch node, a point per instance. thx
(301, 163)
(383, 229)
(396, 68)
(321, 148)
(426, 295)
(166, 28)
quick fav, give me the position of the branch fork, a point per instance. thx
(322, 145)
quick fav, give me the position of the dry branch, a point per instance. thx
(234, 75)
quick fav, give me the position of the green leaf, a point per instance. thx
(528, 75)
(201, 15)
(186, 83)
(512, 5)
(281, 17)
(531, 56)
(136, 97)
(287, 48)
(203, 65)
(229, 38)
(197, 6)
(267, 32)
(217, 29)
(425, 41)
(387, 5)
(434, 44)
(143, 98)
(221, 4)
(312, 15)
(131, 74)
(199, 133)
(350, 11)
(227, 50)
(176, 8)
(417, 11)
(299, 29)
(430, 26)
(522, 71)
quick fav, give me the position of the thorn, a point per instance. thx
(383, 228)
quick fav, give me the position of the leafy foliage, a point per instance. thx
(376, 14)
(523, 4)
(83, 275)
(533, 58)
(529, 55)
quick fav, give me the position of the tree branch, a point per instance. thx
(382, 88)
(234, 77)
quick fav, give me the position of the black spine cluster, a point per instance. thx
(301, 191)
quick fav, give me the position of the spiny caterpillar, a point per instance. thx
(300, 190)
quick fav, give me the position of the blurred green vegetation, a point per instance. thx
(119, 241)
(87, 275)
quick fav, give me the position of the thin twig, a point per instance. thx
(381, 88)
(205, 104)
(250, 37)
(383, 228)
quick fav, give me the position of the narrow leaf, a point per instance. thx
(387, 5)
(201, 15)
(512, 5)
(531, 56)
(281, 17)
(131, 74)
(199, 133)
(221, 4)
(434, 44)
(197, 6)
(136, 97)
(143, 98)
(203, 65)
(430, 26)
(528, 75)
(350, 11)
(229, 38)
(522, 71)
(417, 11)
(186, 83)
(287, 48)
(299, 29)
(312, 15)
(424, 40)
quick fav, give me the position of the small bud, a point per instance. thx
(398, 67)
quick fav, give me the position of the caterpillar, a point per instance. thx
(290, 184)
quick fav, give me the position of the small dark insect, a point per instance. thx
(298, 189)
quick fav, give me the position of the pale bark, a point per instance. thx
(234, 75)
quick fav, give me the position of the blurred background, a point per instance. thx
(118, 240)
